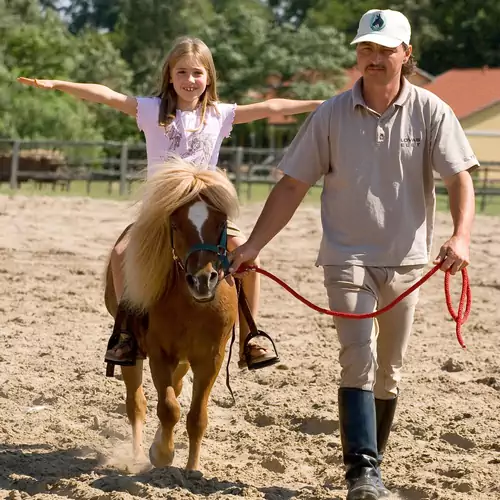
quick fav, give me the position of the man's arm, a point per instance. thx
(462, 203)
(279, 208)
(305, 162)
(453, 158)
(455, 251)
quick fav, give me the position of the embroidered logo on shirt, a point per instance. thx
(410, 142)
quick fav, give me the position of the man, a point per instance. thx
(376, 146)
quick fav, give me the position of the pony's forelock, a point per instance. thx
(148, 259)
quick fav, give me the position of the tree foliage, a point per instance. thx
(302, 44)
(41, 46)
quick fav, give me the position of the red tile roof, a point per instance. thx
(467, 90)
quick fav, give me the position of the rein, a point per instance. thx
(460, 316)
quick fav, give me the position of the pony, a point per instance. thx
(174, 277)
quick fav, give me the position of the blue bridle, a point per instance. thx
(220, 250)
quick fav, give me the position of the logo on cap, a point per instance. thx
(377, 22)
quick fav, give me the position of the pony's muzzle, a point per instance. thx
(203, 284)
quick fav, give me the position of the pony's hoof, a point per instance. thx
(159, 459)
(141, 463)
(194, 474)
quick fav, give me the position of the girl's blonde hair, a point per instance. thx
(186, 47)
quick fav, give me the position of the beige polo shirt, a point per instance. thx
(378, 200)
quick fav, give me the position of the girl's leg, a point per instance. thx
(121, 347)
(251, 287)
(116, 261)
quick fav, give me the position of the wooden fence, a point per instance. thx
(59, 163)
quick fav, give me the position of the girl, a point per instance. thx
(186, 119)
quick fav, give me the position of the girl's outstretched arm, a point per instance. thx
(89, 92)
(266, 109)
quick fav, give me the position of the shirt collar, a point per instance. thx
(357, 93)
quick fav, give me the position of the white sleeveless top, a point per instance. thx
(201, 147)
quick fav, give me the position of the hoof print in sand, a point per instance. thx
(274, 465)
(315, 426)
(457, 440)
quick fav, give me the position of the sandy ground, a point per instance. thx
(63, 429)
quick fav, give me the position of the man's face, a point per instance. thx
(379, 64)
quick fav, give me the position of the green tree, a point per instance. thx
(292, 11)
(97, 14)
(311, 61)
(42, 47)
(147, 28)
(445, 33)
(249, 48)
(344, 16)
(49, 116)
(237, 38)
(467, 35)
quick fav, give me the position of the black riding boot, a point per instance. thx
(122, 345)
(358, 432)
(385, 410)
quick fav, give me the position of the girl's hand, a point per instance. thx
(34, 82)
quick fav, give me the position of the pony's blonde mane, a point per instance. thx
(148, 259)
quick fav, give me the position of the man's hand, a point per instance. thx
(454, 254)
(241, 256)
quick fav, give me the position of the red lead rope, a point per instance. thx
(460, 317)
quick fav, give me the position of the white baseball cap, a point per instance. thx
(389, 28)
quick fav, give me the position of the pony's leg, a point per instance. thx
(197, 419)
(179, 374)
(136, 405)
(161, 453)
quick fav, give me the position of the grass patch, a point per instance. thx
(248, 194)
(98, 190)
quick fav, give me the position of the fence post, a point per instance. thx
(14, 164)
(123, 168)
(238, 163)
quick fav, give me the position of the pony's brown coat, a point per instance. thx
(182, 333)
